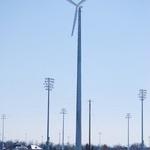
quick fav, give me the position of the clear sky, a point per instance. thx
(35, 43)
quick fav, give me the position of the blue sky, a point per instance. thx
(35, 43)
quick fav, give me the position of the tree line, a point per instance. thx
(11, 145)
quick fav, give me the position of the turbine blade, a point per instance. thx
(81, 2)
(74, 21)
(72, 2)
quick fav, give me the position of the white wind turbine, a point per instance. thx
(78, 94)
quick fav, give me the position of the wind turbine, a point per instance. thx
(77, 13)
(78, 96)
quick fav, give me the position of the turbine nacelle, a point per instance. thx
(77, 5)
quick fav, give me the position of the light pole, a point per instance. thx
(25, 137)
(100, 134)
(3, 129)
(142, 96)
(128, 116)
(48, 84)
(63, 112)
(59, 140)
(89, 124)
(42, 139)
(149, 141)
(68, 143)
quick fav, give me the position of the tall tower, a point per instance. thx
(79, 92)
(78, 97)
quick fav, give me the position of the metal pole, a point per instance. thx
(48, 138)
(128, 116)
(78, 104)
(68, 143)
(63, 112)
(59, 140)
(78, 145)
(89, 124)
(100, 140)
(63, 134)
(48, 86)
(142, 95)
(41, 139)
(149, 140)
(128, 134)
(25, 137)
(3, 129)
(142, 140)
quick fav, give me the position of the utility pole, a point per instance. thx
(42, 139)
(128, 116)
(3, 129)
(100, 134)
(63, 112)
(149, 141)
(89, 124)
(59, 140)
(48, 84)
(68, 143)
(25, 139)
(142, 96)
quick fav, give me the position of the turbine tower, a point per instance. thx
(78, 96)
